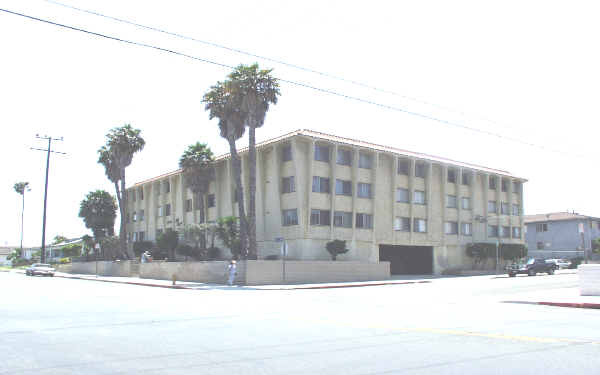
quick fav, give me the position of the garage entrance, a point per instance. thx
(412, 260)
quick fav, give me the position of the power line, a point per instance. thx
(300, 84)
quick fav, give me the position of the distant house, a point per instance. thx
(4, 253)
(560, 234)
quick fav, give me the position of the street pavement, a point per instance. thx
(461, 325)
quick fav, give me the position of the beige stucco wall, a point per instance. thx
(105, 268)
(204, 272)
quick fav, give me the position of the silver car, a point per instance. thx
(40, 269)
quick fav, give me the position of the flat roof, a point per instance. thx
(556, 216)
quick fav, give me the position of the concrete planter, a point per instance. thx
(589, 279)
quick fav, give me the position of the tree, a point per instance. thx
(21, 187)
(98, 211)
(335, 248)
(88, 245)
(596, 245)
(224, 103)
(59, 239)
(257, 89)
(198, 171)
(228, 231)
(116, 155)
(168, 240)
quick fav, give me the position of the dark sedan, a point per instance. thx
(40, 269)
(531, 268)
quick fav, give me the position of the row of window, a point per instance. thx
(323, 217)
(503, 231)
(504, 208)
(194, 204)
(136, 236)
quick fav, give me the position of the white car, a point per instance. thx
(561, 263)
(40, 269)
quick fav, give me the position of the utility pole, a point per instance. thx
(48, 150)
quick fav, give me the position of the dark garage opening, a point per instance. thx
(412, 260)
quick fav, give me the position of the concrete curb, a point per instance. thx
(579, 305)
(357, 285)
(125, 282)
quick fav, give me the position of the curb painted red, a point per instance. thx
(580, 305)
(359, 285)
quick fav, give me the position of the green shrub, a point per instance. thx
(272, 257)
(142, 246)
(214, 253)
(335, 248)
(64, 260)
(575, 262)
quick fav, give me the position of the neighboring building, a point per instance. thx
(561, 234)
(4, 253)
(415, 210)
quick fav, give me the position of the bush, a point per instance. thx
(186, 250)
(272, 257)
(214, 253)
(335, 248)
(72, 250)
(142, 246)
(64, 260)
(575, 262)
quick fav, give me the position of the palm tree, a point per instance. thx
(116, 155)
(198, 172)
(223, 102)
(258, 89)
(21, 187)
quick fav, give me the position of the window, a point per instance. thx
(540, 246)
(134, 239)
(420, 225)
(343, 187)
(286, 153)
(451, 176)
(290, 217)
(404, 167)
(466, 203)
(466, 178)
(466, 229)
(210, 200)
(141, 236)
(167, 187)
(402, 224)
(492, 207)
(516, 187)
(320, 184)
(365, 161)
(504, 208)
(492, 231)
(451, 201)
(492, 183)
(128, 236)
(127, 218)
(419, 197)
(451, 227)
(344, 157)
(420, 170)
(320, 217)
(168, 209)
(541, 227)
(161, 211)
(141, 215)
(515, 209)
(322, 153)
(288, 185)
(402, 195)
(188, 205)
(363, 190)
(158, 232)
(342, 219)
(141, 194)
(235, 195)
(132, 195)
(364, 221)
(504, 185)
(516, 232)
(504, 232)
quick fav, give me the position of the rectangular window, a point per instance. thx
(342, 219)
(419, 197)
(322, 153)
(320, 217)
(492, 207)
(188, 205)
(168, 209)
(451, 201)
(466, 178)
(141, 236)
(158, 232)
(505, 232)
(365, 161)
(466, 203)
(451, 176)
(492, 231)
(404, 167)
(540, 245)
(515, 209)
(141, 215)
(541, 227)
(134, 239)
(286, 153)
(504, 208)
(451, 227)
(320, 184)
(290, 217)
(402, 224)
(167, 187)
(516, 187)
(161, 211)
(364, 221)
(127, 218)
(132, 195)
(420, 225)
(141, 194)
(288, 185)
(504, 185)
(402, 195)
(466, 229)
(235, 195)
(210, 200)
(344, 157)
(363, 190)
(492, 182)
(516, 232)
(420, 170)
(343, 187)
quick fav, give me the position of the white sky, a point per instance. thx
(527, 70)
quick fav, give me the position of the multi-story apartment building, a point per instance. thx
(417, 211)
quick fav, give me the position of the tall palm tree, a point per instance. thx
(198, 172)
(258, 89)
(116, 155)
(223, 102)
(21, 187)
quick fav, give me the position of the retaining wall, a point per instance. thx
(589, 279)
(202, 272)
(105, 268)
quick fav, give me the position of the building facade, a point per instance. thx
(415, 210)
(561, 234)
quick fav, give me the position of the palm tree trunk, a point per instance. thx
(237, 171)
(252, 248)
(202, 219)
(123, 227)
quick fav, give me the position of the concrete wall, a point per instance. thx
(589, 279)
(202, 272)
(121, 268)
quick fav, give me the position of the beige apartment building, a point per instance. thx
(417, 211)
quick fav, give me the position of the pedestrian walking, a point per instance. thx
(232, 271)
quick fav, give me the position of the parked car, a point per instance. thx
(560, 263)
(531, 268)
(40, 269)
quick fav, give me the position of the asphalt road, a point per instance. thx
(449, 326)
